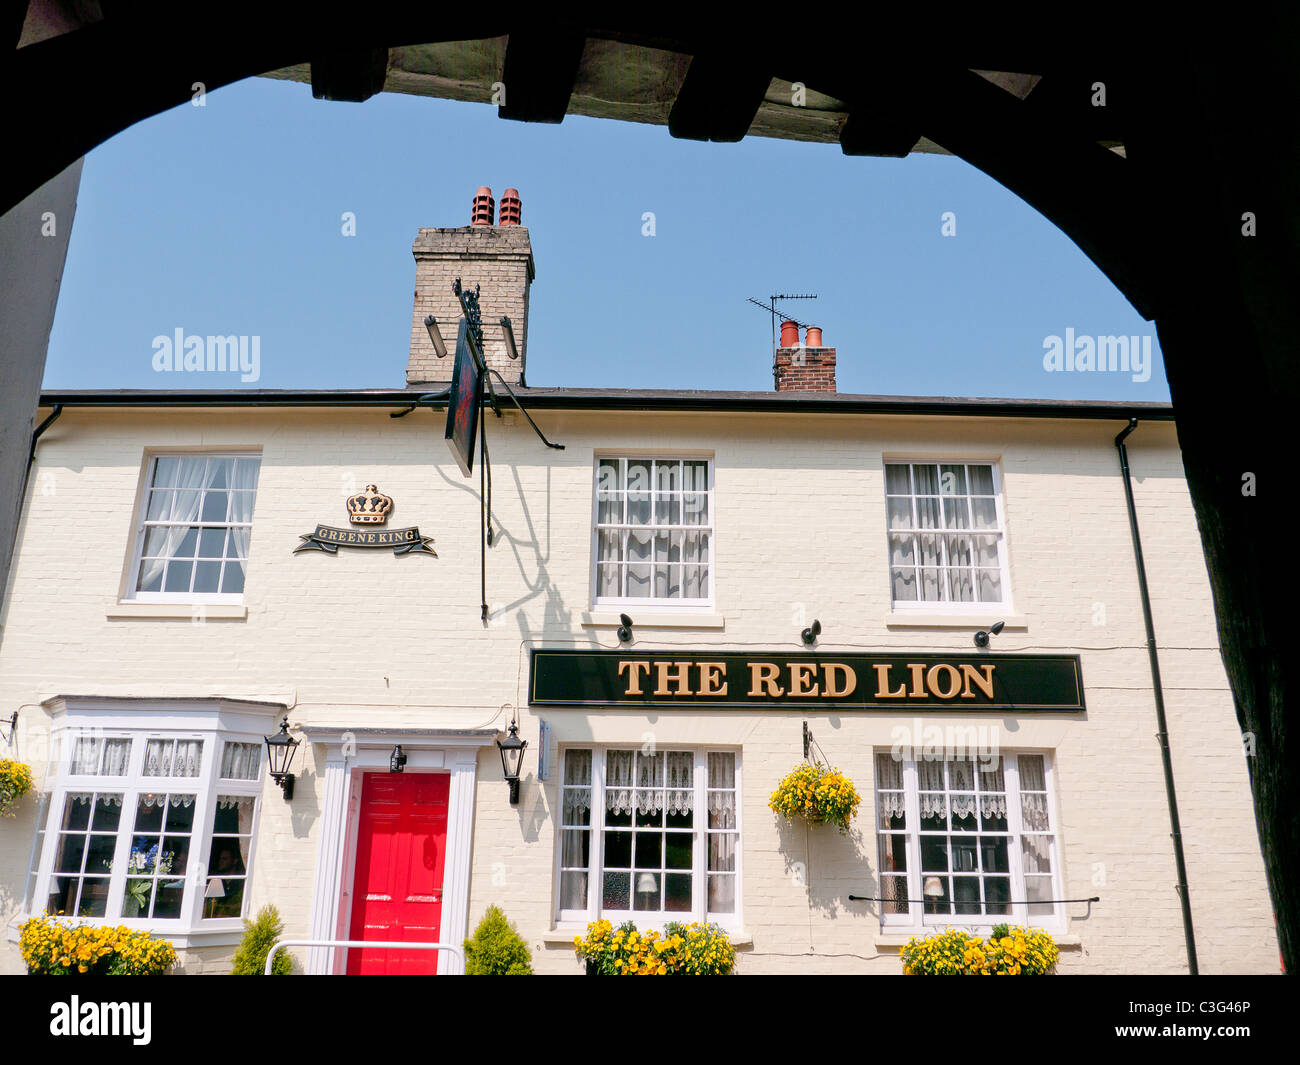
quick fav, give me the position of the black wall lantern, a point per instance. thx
(982, 637)
(397, 760)
(279, 753)
(512, 758)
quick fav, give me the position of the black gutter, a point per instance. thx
(631, 400)
(36, 435)
(1163, 734)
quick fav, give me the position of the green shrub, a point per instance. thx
(496, 949)
(259, 934)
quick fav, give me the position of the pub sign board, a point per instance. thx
(777, 680)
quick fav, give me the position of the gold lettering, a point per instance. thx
(918, 680)
(710, 674)
(882, 683)
(634, 677)
(799, 678)
(933, 684)
(829, 687)
(680, 677)
(765, 674)
(971, 673)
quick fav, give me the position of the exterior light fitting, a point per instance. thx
(624, 629)
(982, 637)
(512, 758)
(397, 760)
(10, 729)
(810, 634)
(279, 756)
(508, 329)
(439, 345)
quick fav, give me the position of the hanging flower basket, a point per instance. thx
(816, 794)
(15, 782)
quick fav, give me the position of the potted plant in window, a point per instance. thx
(15, 782)
(816, 794)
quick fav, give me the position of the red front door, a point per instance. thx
(401, 854)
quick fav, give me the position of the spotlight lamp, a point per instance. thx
(279, 756)
(439, 345)
(512, 758)
(810, 634)
(624, 629)
(397, 760)
(982, 637)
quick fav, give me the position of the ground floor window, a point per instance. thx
(649, 835)
(966, 840)
(148, 825)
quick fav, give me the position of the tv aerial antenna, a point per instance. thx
(771, 308)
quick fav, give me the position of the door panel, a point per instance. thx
(401, 859)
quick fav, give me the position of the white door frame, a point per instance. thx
(348, 754)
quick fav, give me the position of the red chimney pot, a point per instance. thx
(789, 334)
(484, 208)
(814, 337)
(511, 208)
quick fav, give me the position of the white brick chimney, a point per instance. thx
(497, 258)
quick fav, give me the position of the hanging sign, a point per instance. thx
(368, 508)
(780, 680)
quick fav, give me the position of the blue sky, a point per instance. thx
(226, 219)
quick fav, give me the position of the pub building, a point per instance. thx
(670, 608)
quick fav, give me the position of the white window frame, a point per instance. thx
(948, 606)
(731, 922)
(916, 921)
(130, 593)
(142, 722)
(650, 603)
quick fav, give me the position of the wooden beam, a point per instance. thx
(351, 75)
(719, 99)
(540, 70)
(879, 133)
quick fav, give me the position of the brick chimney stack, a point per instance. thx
(497, 258)
(810, 368)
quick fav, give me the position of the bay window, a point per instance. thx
(966, 841)
(649, 836)
(151, 816)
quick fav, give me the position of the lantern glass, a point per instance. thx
(512, 753)
(279, 751)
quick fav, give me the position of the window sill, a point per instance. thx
(189, 611)
(893, 942)
(564, 937)
(650, 619)
(924, 620)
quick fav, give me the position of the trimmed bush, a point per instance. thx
(496, 948)
(259, 934)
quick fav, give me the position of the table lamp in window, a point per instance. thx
(216, 890)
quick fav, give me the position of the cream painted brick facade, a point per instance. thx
(363, 639)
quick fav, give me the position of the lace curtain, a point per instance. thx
(241, 761)
(173, 758)
(634, 779)
(992, 803)
(148, 801)
(889, 786)
(95, 756)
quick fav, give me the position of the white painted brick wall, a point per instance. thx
(366, 639)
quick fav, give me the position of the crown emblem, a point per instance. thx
(370, 507)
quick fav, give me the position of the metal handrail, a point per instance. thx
(368, 943)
